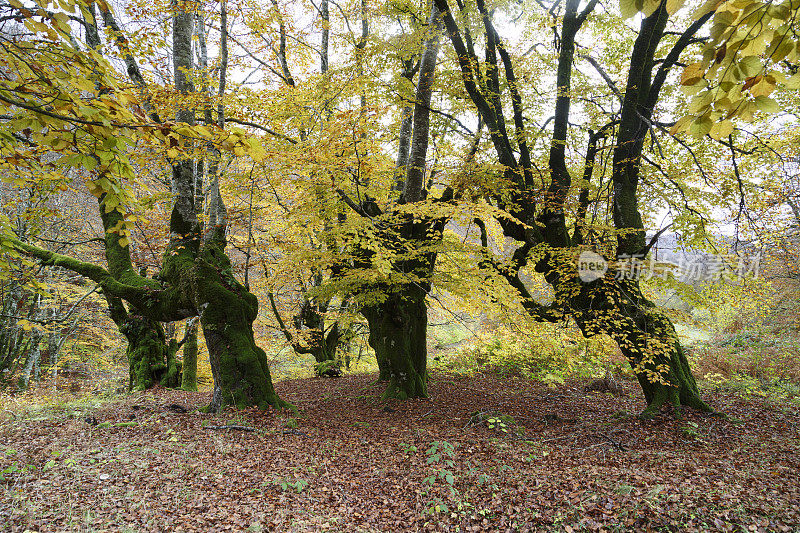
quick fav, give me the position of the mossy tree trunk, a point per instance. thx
(320, 345)
(241, 373)
(189, 375)
(398, 334)
(173, 375)
(645, 336)
(147, 348)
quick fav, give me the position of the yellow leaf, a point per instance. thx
(721, 129)
(674, 5)
(763, 88)
(628, 8)
(767, 105)
(710, 5)
(649, 6)
(750, 66)
(681, 125)
(793, 82)
(693, 73)
(701, 126)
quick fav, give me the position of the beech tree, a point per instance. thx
(538, 204)
(398, 318)
(91, 118)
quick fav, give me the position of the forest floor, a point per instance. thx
(558, 459)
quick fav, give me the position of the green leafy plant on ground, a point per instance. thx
(285, 484)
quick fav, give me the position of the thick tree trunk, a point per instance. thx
(241, 374)
(655, 354)
(147, 351)
(398, 325)
(398, 334)
(189, 375)
(646, 337)
(147, 345)
(324, 348)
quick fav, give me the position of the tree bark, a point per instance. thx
(415, 173)
(147, 347)
(398, 334)
(647, 339)
(241, 373)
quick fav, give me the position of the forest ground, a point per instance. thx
(568, 460)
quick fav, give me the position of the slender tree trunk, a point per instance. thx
(32, 363)
(326, 30)
(414, 186)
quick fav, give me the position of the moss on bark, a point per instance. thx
(146, 351)
(174, 367)
(646, 337)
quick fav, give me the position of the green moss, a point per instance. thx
(146, 351)
(398, 334)
(172, 376)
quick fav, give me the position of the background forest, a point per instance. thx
(229, 196)
(344, 162)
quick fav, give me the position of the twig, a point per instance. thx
(231, 426)
(618, 445)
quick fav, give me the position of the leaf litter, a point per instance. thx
(483, 453)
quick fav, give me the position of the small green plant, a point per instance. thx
(692, 430)
(408, 449)
(291, 423)
(294, 485)
(8, 473)
(440, 456)
(328, 369)
(494, 422)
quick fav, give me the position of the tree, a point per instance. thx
(397, 314)
(195, 277)
(537, 205)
